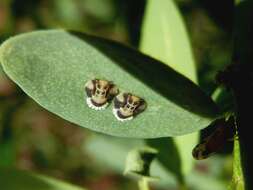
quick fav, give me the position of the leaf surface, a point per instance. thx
(53, 66)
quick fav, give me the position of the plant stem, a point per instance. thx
(244, 119)
(240, 79)
(237, 181)
(143, 184)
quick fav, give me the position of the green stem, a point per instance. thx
(143, 184)
(240, 81)
(237, 181)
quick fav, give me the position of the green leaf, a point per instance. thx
(164, 37)
(11, 179)
(138, 162)
(53, 66)
(185, 144)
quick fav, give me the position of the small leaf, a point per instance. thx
(11, 179)
(53, 66)
(164, 37)
(138, 162)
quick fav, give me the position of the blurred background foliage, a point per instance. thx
(33, 139)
